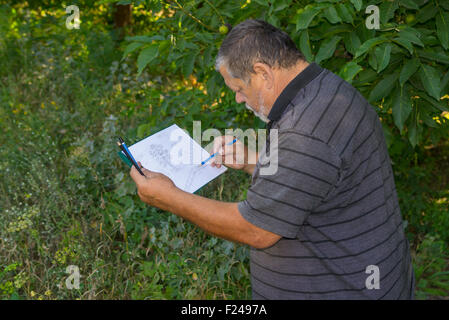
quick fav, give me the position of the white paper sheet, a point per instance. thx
(174, 153)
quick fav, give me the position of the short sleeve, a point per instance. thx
(308, 169)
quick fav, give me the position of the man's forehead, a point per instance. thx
(231, 82)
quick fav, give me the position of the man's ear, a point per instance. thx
(265, 73)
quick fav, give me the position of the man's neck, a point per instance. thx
(285, 76)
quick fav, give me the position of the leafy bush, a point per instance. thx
(401, 68)
(432, 276)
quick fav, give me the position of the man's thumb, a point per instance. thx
(136, 176)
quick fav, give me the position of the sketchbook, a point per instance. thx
(175, 154)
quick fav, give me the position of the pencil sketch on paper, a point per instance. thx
(161, 156)
(154, 154)
(194, 172)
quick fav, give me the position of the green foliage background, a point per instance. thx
(65, 94)
(401, 68)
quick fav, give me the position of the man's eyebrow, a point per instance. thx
(238, 88)
(232, 87)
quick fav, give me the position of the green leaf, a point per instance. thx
(280, 5)
(442, 23)
(188, 63)
(143, 130)
(207, 56)
(372, 60)
(345, 13)
(145, 39)
(304, 45)
(331, 15)
(364, 33)
(329, 31)
(366, 77)
(430, 40)
(205, 37)
(305, 18)
(357, 4)
(409, 4)
(426, 13)
(387, 134)
(264, 3)
(444, 4)
(405, 43)
(444, 82)
(352, 42)
(427, 119)
(431, 80)
(146, 56)
(413, 135)
(438, 104)
(273, 20)
(327, 49)
(383, 56)
(163, 46)
(402, 106)
(349, 71)
(409, 68)
(131, 47)
(383, 87)
(367, 45)
(410, 34)
(435, 291)
(434, 56)
(387, 10)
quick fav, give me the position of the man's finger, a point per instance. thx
(218, 143)
(136, 176)
(146, 172)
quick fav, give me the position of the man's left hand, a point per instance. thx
(154, 187)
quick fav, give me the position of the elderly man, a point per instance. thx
(326, 224)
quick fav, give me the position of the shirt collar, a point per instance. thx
(291, 90)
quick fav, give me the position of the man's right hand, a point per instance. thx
(233, 156)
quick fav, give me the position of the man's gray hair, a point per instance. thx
(256, 41)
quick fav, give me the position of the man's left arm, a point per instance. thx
(221, 219)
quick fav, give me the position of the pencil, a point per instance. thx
(229, 144)
(128, 154)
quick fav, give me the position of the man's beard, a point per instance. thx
(262, 110)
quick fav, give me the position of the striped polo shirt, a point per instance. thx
(332, 199)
